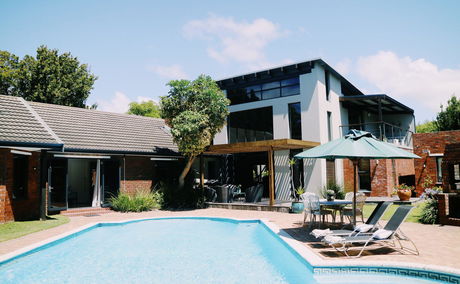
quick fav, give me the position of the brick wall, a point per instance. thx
(443, 208)
(139, 172)
(28, 208)
(434, 142)
(451, 158)
(384, 174)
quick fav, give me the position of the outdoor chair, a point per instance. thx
(348, 211)
(306, 204)
(387, 235)
(316, 210)
(254, 193)
(371, 224)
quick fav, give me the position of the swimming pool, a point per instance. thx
(175, 250)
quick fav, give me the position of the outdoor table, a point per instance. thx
(335, 205)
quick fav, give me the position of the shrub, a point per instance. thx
(336, 188)
(429, 212)
(142, 200)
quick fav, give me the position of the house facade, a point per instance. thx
(54, 158)
(311, 101)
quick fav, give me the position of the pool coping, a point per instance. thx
(319, 265)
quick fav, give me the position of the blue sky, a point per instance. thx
(406, 49)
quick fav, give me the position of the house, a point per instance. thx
(287, 109)
(57, 157)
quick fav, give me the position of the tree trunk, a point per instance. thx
(185, 171)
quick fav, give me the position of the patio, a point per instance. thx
(438, 245)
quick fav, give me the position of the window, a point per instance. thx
(298, 175)
(295, 121)
(438, 169)
(265, 91)
(20, 169)
(329, 126)
(330, 171)
(251, 125)
(326, 82)
(364, 174)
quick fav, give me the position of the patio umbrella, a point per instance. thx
(356, 145)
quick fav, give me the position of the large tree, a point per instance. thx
(449, 119)
(49, 77)
(426, 126)
(148, 108)
(195, 111)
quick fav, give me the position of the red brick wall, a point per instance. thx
(28, 208)
(139, 174)
(434, 142)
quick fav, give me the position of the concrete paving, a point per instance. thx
(438, 245)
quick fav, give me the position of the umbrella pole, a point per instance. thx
(355, 188)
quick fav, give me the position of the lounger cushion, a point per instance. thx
(333, 239)
(363, 228)
(317, 233)
(382, 234)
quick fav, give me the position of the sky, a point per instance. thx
(409, 50)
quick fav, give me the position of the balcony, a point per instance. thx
(384, 131)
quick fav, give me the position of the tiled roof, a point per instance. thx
(18, 125)
(91, 130)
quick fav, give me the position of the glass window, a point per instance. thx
(291, 81)
(251, 125)
(20, 179)
(271, 85)
(329, 126)
(438, 169)
(270, 94)
(298, 173)
(290, 90)
(326, 79)
(364, 174)
(295, 121)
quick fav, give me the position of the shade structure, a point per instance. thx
(356, 145)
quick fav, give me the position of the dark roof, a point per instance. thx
(84, 130)
(281, 72)
(371, 103)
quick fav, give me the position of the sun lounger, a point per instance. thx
(383, 236)
(370, 225)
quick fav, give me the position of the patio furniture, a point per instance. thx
(306, 204)
(370, 225)
(316, 210)
(383, 236)
(348, 211)
(254, 193)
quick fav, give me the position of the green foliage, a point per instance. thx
(195, 111)
(49, 77)
(449, 119)
(141, 200)
(338, 190)
(148, 108)
(426, 127)
(430, 212)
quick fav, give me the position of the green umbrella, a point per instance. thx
(356, 145)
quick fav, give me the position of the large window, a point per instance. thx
(438, 169)
(251, 125)
(20, 169)
(295, 121)
(298, 173)
(328, 86)
(266, 91)
(364, 173)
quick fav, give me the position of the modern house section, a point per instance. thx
(312, 102)
(57, 158)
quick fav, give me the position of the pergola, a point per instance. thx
(261, 146)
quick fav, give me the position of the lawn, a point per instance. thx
(18, 229)
(413, 216)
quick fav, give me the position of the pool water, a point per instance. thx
(184, 250)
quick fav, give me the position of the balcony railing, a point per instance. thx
(384, 131)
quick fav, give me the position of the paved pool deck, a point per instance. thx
(439, 246)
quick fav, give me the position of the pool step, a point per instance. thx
(87, 211)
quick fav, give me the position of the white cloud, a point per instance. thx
(141, 99)
(344, 66)
(174, 71)
(230, 40)
(118, 103)
(417, 82)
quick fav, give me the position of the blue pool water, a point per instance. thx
(186, 250)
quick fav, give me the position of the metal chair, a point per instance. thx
(316, 210)
(348, 211)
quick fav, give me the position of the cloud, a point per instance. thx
(173, 72)
(229, 40)
(141, 99)
(344, 66)
(416, 82)
(119, 103)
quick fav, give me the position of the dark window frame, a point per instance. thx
(329, 126)
(20, 176)
(292, 133)
(256, 125)
(327, 83)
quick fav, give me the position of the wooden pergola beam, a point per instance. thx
(260, 146)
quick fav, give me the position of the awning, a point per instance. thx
(372, 103)
(260, 146)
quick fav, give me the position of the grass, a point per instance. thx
(18, 229)
(413, 215)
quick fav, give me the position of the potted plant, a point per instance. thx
(297, 205)
(404, 192)
(330, 195)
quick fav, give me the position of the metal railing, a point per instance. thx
(384, 131)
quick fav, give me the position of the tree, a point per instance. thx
(195, 111)
(49, 77)
(427, 126)
(148, 108)
(449, 119)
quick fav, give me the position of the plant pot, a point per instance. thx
(404, 195)
(297, 207)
